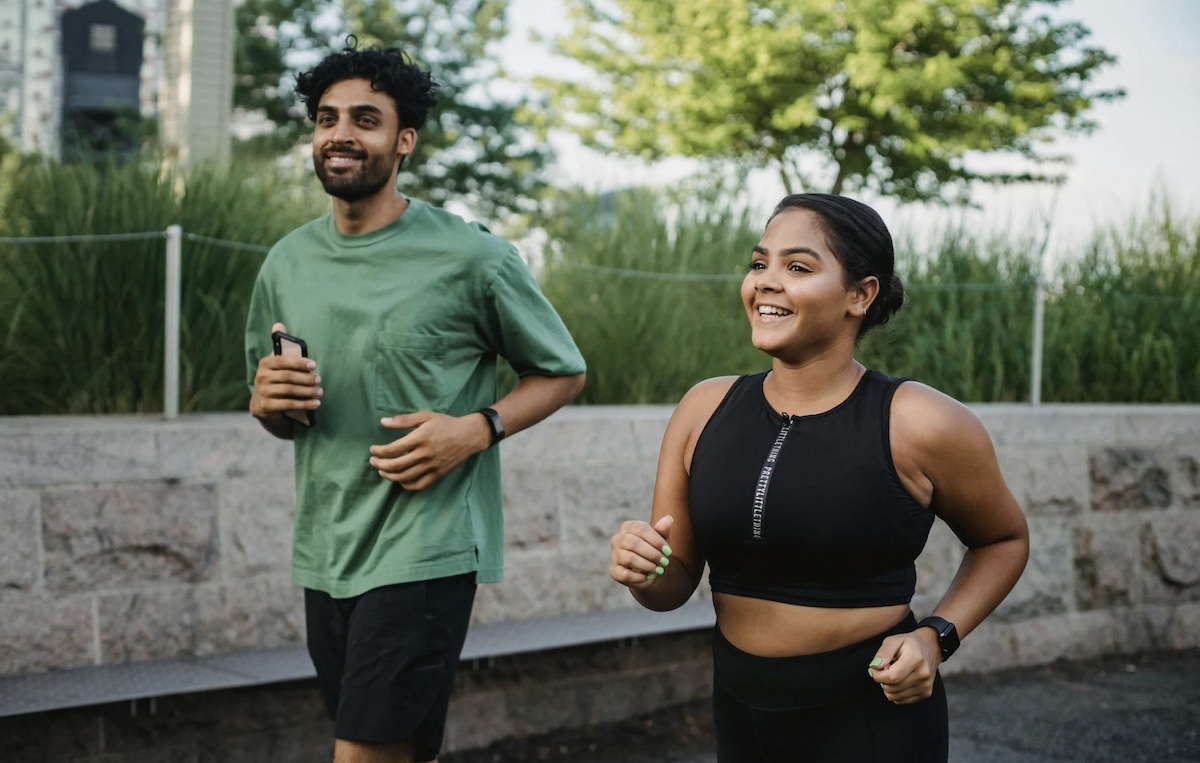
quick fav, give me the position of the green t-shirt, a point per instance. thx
(406, 318)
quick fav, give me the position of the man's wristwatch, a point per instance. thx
(947, 634)
(495, 423)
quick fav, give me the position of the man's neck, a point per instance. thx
(354, 218)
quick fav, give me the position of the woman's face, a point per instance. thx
(795, 293)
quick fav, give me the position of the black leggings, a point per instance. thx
(820, 707)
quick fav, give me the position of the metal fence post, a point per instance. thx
(1039, 328)
(171, 329)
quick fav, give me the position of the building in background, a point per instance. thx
(53, 79)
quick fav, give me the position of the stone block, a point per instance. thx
(16, 453)
(91, 452)
(257, 517)
(1023, 425)
(531, 509)
(20, 540)
(1185, 476)
(1107, 560)
(573, 438)
(987, 648)
(1171, 557)
(596, 499)
(99, 537)
(1182, 629)
(1046, 480)
(217, 446)
(1158, 423)
(1069, 636)
(199, 620)
(1128, 478)
(1047, 584)
(41, 633)
(937, 564)
(546, 583)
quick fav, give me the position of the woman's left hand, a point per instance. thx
(906, 664)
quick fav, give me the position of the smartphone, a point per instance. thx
(286, 344)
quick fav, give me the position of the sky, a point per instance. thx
(1148, 143)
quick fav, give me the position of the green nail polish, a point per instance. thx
(658, 570)
(650, 577)
(666, 550)
(876, 662)
(664, 562)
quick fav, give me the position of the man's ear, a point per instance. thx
(406, 141)
(862, 295)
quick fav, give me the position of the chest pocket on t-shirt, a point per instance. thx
(409, 373)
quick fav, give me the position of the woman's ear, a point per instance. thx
(862, 294)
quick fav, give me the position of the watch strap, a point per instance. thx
(947, 634)
(495, 423)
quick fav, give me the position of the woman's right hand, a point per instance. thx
(640, 552)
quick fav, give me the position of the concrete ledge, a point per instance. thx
(106, 684)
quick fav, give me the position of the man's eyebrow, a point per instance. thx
(788, 251)
(364, 108)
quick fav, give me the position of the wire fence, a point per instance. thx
(174, 236)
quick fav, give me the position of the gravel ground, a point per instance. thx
(1135, 709)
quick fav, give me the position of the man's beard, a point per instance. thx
(373, 175)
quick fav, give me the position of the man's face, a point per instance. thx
(358, 141)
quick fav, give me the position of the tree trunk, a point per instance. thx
(836, 190)
(787, 180)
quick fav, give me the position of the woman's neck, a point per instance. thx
(812, 387)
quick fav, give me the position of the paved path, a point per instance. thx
(1135, 710)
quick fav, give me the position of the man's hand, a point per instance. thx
(284, 383)
(436, 444)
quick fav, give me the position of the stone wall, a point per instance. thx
(127, 538)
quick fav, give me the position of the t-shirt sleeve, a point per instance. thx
(259, 319)
(522, 325)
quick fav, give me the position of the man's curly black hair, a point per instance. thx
(389, 70)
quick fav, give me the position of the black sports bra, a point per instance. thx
(806, 509)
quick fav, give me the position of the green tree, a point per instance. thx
(892, 96)
(475, 148)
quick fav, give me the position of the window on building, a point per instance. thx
(102, 38)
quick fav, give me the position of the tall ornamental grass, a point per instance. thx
(1123, 323)
(648, 284)
(82, 321)
(1121, 319)
(650, 292)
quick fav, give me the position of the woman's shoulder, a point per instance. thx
(697, 405)
(930, 418)
(709, 393)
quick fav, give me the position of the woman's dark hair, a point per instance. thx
(860, 241)
(389, 70)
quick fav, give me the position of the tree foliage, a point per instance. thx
(474, 148)
(892, 96)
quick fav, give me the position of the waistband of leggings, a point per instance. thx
(806, 680)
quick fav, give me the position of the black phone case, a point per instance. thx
(306, 418)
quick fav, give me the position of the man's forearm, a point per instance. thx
(536, 397)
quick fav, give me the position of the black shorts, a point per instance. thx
(820, 707)
(386, 660)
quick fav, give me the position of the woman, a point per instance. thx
(809, 490)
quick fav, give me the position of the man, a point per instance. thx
(404, 308)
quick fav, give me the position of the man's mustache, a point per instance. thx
(343, 151)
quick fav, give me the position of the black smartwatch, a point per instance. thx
(495, 423)
(947, 634)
